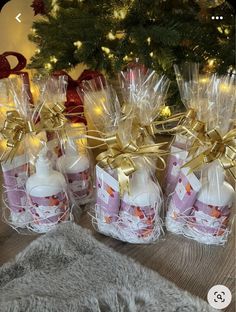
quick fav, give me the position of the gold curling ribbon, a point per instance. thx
(14, 130)
(220, 148)
(120, 156)
(187, 124)
(53, 118)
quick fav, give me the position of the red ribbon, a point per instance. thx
(6, 70)
(74, 102)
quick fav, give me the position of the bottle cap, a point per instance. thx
(43, 163)
(216, 174)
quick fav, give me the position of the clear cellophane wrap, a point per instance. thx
(35, 197)
(67, 144)
(129, 201)
(201, 202)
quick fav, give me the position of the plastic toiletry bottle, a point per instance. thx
(76, 167)
(46, 190)
(141, 206)
(211, 210)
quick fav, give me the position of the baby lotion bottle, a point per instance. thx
(76, 167)
(141, 206)
(46, 191)
(211, 210)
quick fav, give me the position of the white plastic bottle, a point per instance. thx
(76, 167)
(211, 210)
(46, 190)
(140, 207)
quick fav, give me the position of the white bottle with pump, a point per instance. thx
(141, 205)
(76, 167)
(211, 210)
(46, 190)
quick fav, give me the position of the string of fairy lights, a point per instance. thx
(120, 14)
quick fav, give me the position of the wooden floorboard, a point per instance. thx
(190, 265)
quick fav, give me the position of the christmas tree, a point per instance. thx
(107, 34)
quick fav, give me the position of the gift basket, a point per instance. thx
(201, 204)
(129, 201)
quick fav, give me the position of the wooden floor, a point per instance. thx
(190, 265)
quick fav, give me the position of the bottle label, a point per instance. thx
(15, 174)
(80, 183)
(140, 219)
(184, 196)
(49, 209)
(174, 163)
(108, 198)
(209, 218)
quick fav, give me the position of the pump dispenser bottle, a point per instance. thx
(142, 204)
(211, 210)
(76, 167)
(46, 190)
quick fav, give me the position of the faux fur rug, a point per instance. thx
(67, 270)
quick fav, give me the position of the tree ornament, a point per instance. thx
(210, 3)
(38, 7)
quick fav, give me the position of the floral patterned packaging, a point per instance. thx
(124, 209)
(200, 207)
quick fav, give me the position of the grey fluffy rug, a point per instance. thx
(67, 270)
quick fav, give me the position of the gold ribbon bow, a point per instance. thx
(53, 118)
(14, 130)
(120, 156)
(220, 148)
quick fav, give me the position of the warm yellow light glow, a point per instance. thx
(48, 66)
(225, 87)
(151, 54)
(3, 145)
(106, 50)
(120, 34)
(110, 56)
(37, 51)
(211, 62)
(120, 14)
(78, 129)
(53, 59)
(204, 80)
(149, 40)
(220, 30)
(227, 31)
(165, 112)
(78, 44)
(110, 36)
(127, 58)
(98, 110)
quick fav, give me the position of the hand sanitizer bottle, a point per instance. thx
(46, 191)
(140, 208)
(76, 167)
(211, 211)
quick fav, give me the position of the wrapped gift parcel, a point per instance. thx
(201, 205)
(193, 91)
(35, 195)
(124, 208)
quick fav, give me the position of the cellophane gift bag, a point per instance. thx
(124, 208)
(35, 195)
(201, 206)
